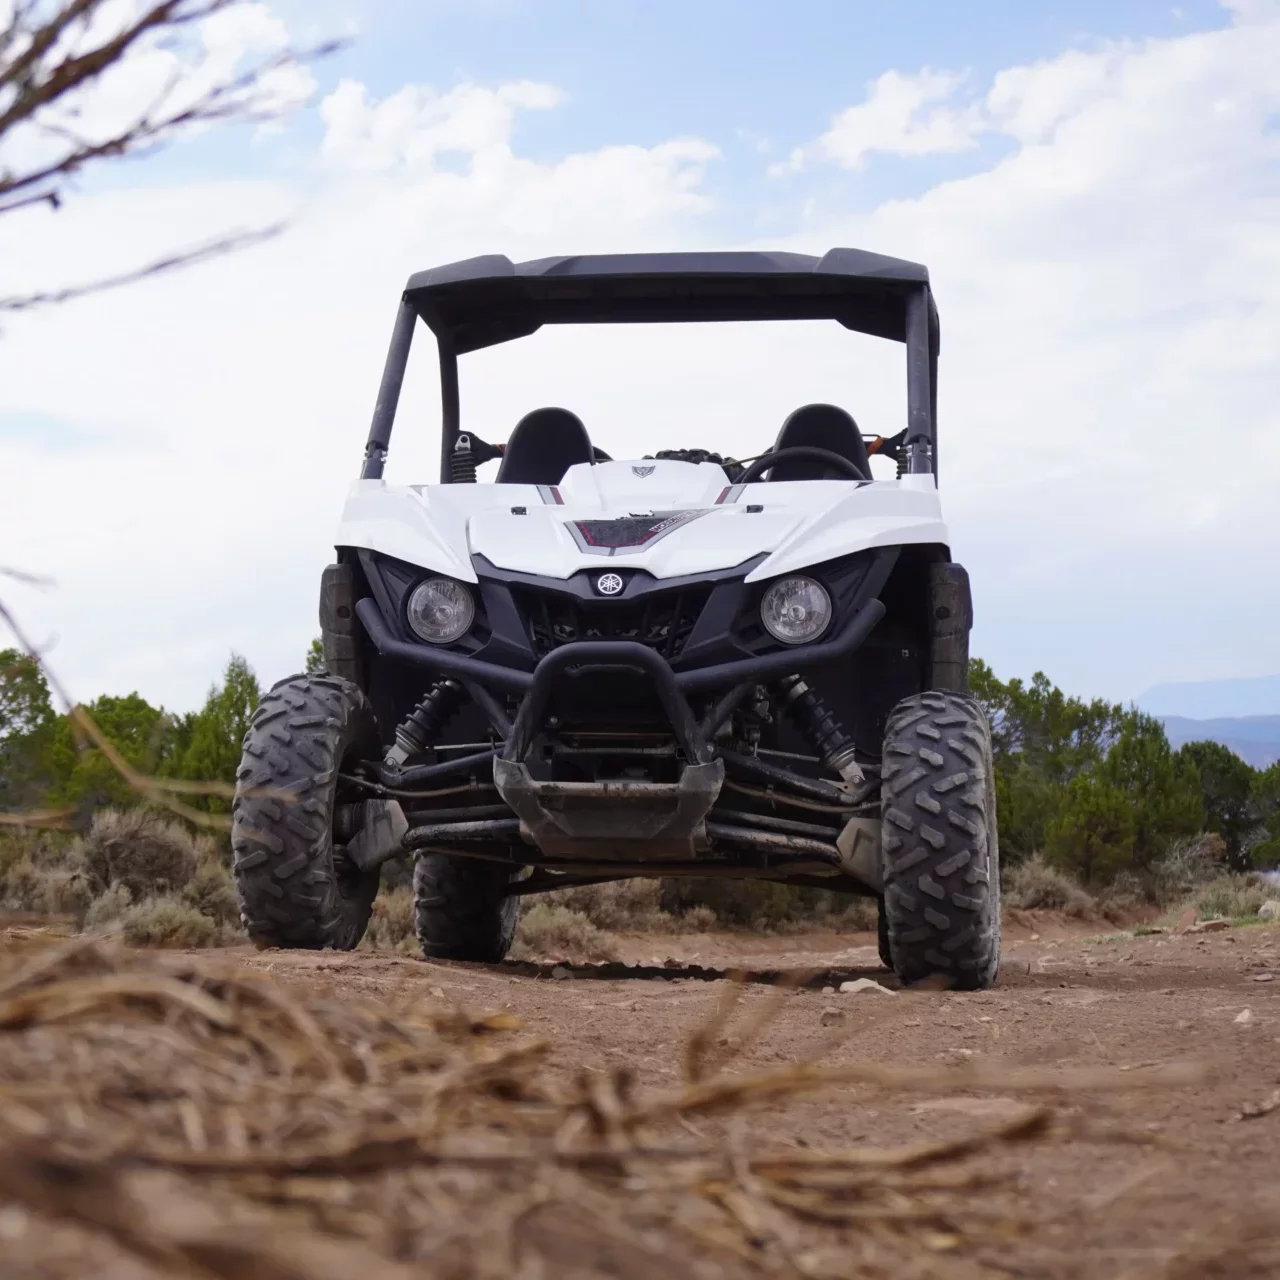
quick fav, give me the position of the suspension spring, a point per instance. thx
(423, 725)
(462, 462)
(819, 723)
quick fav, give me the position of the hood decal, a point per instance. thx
(627, 533)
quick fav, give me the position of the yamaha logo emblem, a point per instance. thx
(641, 472)
(609, 584)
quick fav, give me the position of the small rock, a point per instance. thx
(560, 972)
(438, 992)
(1035, 937)
(828, 991)
(1210, 926)
(1264, 977)
(831, 1015)
(863, 984)
(1270, 910)
(1244, 1017)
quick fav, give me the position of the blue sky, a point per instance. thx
(759, 77)
(1092, 185)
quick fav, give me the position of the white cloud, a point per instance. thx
(1109, 399)
(229, 403)
(413, 127)
(901, 116)
(1109, 391)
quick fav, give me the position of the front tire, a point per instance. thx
(295, 885)
(462, 910)
(939, 842)
(882, 935)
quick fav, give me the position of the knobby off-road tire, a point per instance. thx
(882, 935)
(295, 885)
(461, 908)
(939, 841)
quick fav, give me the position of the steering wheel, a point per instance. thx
(766, 461)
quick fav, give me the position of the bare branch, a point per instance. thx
(186, 258)
(53, 57)
(27, 579)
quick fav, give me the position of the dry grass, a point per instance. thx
(1033, 885)
(175, 1117)
(140, 849)
(391, 924)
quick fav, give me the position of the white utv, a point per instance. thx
(675, 665)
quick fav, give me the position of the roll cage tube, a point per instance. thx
(921, 341)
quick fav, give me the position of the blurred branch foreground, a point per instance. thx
(230, 1127)
(83, 82)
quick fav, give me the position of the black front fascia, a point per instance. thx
(498, 637)
(551, 612)
(725, 631)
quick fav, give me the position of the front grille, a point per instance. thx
(662, 620)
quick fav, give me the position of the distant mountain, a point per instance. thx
(1253, 696)
(1255, 739)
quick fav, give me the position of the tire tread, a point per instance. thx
(941, 902)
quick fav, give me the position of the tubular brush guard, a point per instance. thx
(616, 818)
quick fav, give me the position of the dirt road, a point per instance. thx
(1187, 1185)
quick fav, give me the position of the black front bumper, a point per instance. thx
(617, 821)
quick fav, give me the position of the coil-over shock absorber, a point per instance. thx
(820, 725)
(462, 462)
(423, 725)
(469, 453)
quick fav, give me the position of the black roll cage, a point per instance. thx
(482, 301)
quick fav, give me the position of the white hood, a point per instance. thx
(679, 518)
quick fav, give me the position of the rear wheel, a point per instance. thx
(939, 842)
(462, 910)
(296, 886)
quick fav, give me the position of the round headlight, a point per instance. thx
(441, 611)
(795, 610)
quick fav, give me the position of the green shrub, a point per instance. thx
(1266, 855)
(1092, 836)
(212, 892)
(765, 905)
(550, 931)
(108, 908)
(618, 906)
(1232, 897)
(166, 922)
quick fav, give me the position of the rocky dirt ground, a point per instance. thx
(174, 1114)
(1188, 1184)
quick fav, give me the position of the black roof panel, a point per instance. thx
(490, 299)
